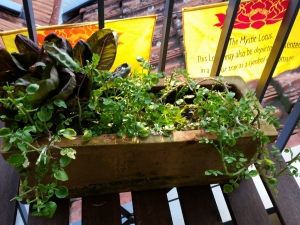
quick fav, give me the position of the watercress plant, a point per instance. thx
(57, 92)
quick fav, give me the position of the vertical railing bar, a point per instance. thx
(232, 10)
(281, 38)
(165, 35)
(23, 213)
(28, 9)
(289, 126)
(101, 14)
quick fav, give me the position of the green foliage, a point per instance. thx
(63, 92)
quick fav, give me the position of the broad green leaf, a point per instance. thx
(222, 109)
(32, 88)
(222, 132)
(26, 45)
(231, 141)
(70, 152)
(231, 94)
(60, 103)
(61, 57)
(22, 146)
(227, 188)
(4, 132)
(18, 198)
(208, 173)
(272, 182)
(68, 133)
(16, 160)
(68, 82)
(243, 159)
(64, 161)
(276, 124)
(229, 159)
(269, 162)
(144, 133)
(104, 43)
(82, 53)
(7, 146)
(61, 175)
(61, 43)
(179, 101)
(53, 184)
(48, 210)
(265, 140)
(236, 185)
(51, 192)
(48, 85)
(44, 115)
(61, 192)
(26, 81)
(253, 173)
(87, 135)
(121, 71)
(42, 188)
(26, 60)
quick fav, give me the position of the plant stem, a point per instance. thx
(288, 164)
(78, 101)
(20, 107)
(222, 157)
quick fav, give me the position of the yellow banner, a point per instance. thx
(134, 37)
(251, 41)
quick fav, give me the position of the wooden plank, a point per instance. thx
(198, 205)
(287, 202)
(9, 184)
(61, 216)
(151, 207)
(101, 210)
(246, 206)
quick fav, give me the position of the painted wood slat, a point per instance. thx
(287, 202)
(245, 205)
(101, 210)
(198, 205)
(151, 207)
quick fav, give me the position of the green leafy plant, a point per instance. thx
(57, 92)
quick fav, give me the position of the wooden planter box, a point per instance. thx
(107, 164)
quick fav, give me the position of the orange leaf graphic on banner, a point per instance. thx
(72, 34)
(257, 13)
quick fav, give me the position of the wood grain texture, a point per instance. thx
(9, 183)
(151, 207)
(287, 202)
(198, 205)
(61, 216)
(245, 205)
(101, 210)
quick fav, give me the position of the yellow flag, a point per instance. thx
(134, 36)
(251, 41)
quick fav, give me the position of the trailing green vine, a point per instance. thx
(65, 92)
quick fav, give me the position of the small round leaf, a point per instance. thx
(4, 132)
(61, 175)
(227, 188)
(32, 88)
(16, 160)
(62, 192)
(64, 161)
(87, 135)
